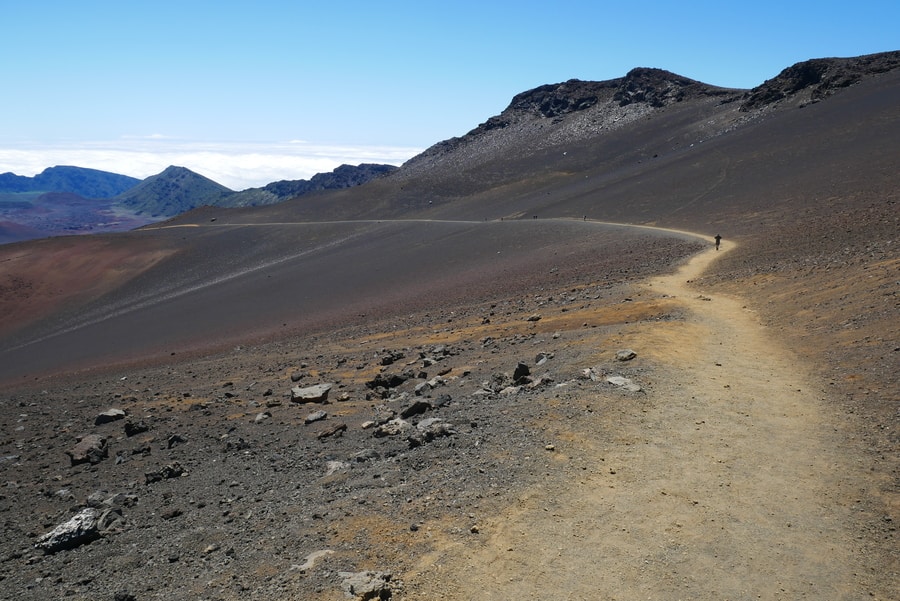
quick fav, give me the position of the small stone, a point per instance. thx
(366, 585)
(110, 415)
(311, 394)
(315, 416)
(625, 355)
(132, 428)
(90, 449)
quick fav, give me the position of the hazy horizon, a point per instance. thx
(223, 89)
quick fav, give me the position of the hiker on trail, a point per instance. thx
(718, 239)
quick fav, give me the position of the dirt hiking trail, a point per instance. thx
(726, 480)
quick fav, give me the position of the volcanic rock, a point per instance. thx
(366, 585)
(311, 394)
(80, 529)
(110, 415)
(90, 449)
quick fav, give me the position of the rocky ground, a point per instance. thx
(494, 447)
(209, 481)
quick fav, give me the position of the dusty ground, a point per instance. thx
(732, 475)
(731, 479)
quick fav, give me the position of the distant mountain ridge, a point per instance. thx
(344, 176)
(89, 183)
(72, 200)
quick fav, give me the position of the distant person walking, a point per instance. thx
(718, 240)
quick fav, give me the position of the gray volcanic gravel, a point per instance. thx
(217, 486)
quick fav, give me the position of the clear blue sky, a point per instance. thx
(329, 80)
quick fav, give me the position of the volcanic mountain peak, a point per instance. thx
(571, 112)
(816, 79)
(655, 87)
(175, 190)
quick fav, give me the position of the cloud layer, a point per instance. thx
(236, 165)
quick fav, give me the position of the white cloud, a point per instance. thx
(236, 165)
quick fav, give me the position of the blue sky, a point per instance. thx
(254, 91)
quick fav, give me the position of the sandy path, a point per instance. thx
(727, 481)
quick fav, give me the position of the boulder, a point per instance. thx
(434, 427)
(336, 430)
(387, 381)
(110, 415)
(366, 585)
(172, 470)
(392, 428)
(132, 428)
(80, 529)
(417, 408)
(625, 355)
(90, 449)
(522, 371)
(311, 394)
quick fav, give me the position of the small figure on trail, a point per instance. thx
(718, 239)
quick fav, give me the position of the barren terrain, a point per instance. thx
(731, 478)
(525, 400)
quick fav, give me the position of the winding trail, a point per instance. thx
(728, 481)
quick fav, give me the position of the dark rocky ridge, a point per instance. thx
(587, 107)
(344, 176)
(816, 79)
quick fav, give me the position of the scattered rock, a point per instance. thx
(337, 430)
(261, 417)
(625, 355)
(625, 383)
(79, 530)
(429, 429)
(174, 440)
(90, 449)
(172, 470)
(417, 408)
(366, 455)
(393, 427)
(315, 416)
(311, 560)
(534, 317)
(391, 357)
(332, 467)
(592, 374)
(387, 381)
(521, 372)
(132, 428)
(110, 415)
(311, 394)
(366, 585)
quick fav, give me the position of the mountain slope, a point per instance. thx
(89, 183)
(344, 176)
(173, 191)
